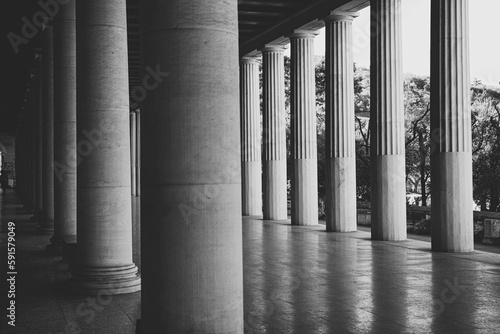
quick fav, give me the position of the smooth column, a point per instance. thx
(47, 222)
(104, 222)
(65, 150)
(303, 130)
(274, 134)
(133, 155)
(37, 139)
(388, 178)
(138, 152)
(28, 115)
(451, 154)
(341, 214)
(251, 165)
(191, 162)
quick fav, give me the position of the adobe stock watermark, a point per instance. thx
(448, 295)
(30, 29)
(88, 310)
(255, 320)
(83, 149)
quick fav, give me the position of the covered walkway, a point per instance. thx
(296, 280)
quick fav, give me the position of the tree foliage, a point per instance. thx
(485, 120)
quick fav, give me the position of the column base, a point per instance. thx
(251, 188)
(305, 192)
(274, 190)
(452, 216)
(341, 211)
(388, 199)
(104, 281)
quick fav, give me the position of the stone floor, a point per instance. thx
(297, 280)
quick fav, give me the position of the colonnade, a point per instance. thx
(191, 186)
(74, 161)
(450, 127)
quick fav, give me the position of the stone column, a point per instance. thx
(29, 111)
(37, 139)
(341, 212)
(388, 193)
(65, 154)
(133, 151)
(20, 152)
(451, 157)
(104, 208)
(46, 225)
(274, 134)
(138, 152)
(191, 159)
(303, 129)
(251, 165)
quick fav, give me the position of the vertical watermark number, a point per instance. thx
(11, 273)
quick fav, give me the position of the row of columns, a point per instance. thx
(75, 158)
(35, 156)
(450, 128)
(341, 186)
(192, 273)
(192, 242)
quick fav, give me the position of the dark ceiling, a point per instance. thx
(260, 22)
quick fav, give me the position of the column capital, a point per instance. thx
(273, 48)
(248, 60)
(303, 34)
(336, 15)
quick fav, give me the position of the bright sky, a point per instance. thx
(483, 29)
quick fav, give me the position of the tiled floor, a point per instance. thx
(297, 280)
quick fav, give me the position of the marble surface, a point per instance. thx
(296, 280)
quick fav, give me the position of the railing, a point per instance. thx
(418, 220)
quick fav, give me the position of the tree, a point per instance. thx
(362, 131)
(485, 112)
(417, 124)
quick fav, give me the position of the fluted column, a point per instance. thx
(191, 162)
(133, 153)
(388, 190)
(303, 129)
(46, 225)
(451, 157)
(65, 149)
(341, 214)
(251, 164)
(104, 211)
(274, 179)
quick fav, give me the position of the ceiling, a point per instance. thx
(260, 22)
